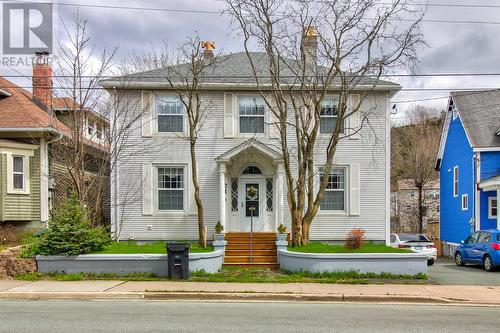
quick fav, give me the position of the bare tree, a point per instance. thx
(414, 147)
(84, 156)
(343, 48)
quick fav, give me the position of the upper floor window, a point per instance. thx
(335, 192)
(91, 127)
(170, 114)
(328, 114)
(492, 207)
(98, 132)
(170, 188)
(18, 172)
(455, 181)
(251, 112)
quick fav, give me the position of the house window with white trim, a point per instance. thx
(492, 207)
(251, 113)
(18, 172)
(91, 128)
(328, 114)
(334, 198)
(455, 181)
(170, 188)
(170, 114)
(99, 131)
(465, 201)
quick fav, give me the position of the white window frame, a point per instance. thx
(91, 128)
(156, 116)
(455, 181)
(330, 116)
(490, 208)
(156, 190)
(22, 173)
(346, 191)
(465, 201)
(236, 106)
(99, 131)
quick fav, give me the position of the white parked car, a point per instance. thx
(416, 242)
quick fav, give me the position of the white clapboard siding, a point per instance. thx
(147, 113)
(274, 132)
(354, 189)
(368, 153)
(228, 115)
(147, 189)
(354, 118)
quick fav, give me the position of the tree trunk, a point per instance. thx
(202, 232)
(420, 211)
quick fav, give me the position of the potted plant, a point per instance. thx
(281, 232)
(218, 235)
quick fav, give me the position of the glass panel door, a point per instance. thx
(252, 199)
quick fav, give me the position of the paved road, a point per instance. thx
(444, 271)
(154, 316)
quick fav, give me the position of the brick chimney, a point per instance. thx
(209, 47)
(42, 79)
(310, 46)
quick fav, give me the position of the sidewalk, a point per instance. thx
(166, 290)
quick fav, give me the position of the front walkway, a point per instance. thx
(166, 290)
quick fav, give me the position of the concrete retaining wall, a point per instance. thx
(395, 263)
(210, 262)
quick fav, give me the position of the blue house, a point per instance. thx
(468, 162)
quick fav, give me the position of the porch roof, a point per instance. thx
(248, 144)
(490, 184)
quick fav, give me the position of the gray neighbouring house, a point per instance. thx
(238, 151)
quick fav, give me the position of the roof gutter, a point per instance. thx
(31, 129)
(109, 84)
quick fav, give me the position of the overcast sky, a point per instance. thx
(452, 48)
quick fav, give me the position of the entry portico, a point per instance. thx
(492, 184)
(251, 187)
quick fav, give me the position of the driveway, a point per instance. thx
(444, 271)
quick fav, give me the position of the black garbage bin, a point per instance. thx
(178, 261)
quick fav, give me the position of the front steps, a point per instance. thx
(263, 250)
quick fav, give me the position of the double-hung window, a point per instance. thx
(171, 187)
(251, 112)
(334, 198)
(98, 132)
(455, 181)
(91, 128)
(18, 172)
(328, 114)
(465, 201)
(492, 207)
(170, 114)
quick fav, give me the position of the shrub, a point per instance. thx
(219, 227)
(355, 239)
(281, 228)
(69, 233)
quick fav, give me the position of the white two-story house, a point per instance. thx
(239, 160)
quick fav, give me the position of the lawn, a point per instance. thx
(148, 248)
(246, 275)
(316, 247)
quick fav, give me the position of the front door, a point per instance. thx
(251, 212)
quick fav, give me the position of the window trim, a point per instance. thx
(346, 119)
(236, 106)
(155, 116)
(346, 190)
(490, 208)
(185, 190)
(455, 181)
(10, 148)
(465, 200)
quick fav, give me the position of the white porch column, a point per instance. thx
(279, 195)
(498, 207)
(222, 196)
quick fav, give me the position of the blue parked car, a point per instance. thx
(482, 247)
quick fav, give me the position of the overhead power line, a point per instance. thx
(220, 12)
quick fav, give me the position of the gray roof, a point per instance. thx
(232, 69)
(480, 115)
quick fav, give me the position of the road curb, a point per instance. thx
(236, 296)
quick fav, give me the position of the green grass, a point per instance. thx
(148, 248)
(316, 247)
(245, 275)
